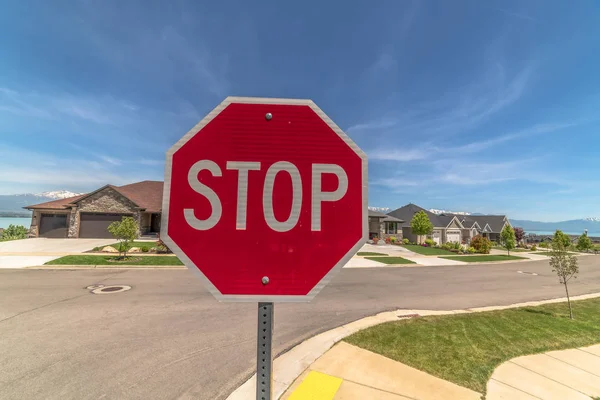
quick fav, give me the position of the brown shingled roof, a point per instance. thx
(146, 194)
(60, 204)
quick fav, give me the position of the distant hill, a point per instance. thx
(14, 203)
(574, 226)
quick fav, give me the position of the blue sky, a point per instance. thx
(466, 105)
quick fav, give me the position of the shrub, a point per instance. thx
(471, 250)
(447, 246)
(429, 242)
(456, 246)
(533, 248)
(393, 239)
(145, 249)
(481, 244)
(14, 232)
(375, 239)
(544, 245)
(405, 241)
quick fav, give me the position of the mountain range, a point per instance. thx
(14, 203)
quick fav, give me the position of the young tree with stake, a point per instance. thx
(507, 237)
(564, 264)
(584, 243)
(125, 231)
(421, 225)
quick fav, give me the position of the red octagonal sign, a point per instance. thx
(265, 199)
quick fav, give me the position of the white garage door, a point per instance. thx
(453, 236)
(436, 237)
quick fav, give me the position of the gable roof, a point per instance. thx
(407, 212)
(496, 222)
(146, 194)
(384, 217)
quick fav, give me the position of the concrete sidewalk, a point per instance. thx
(566, 374)
(360, 374)
(399, 251)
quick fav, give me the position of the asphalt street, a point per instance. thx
(167, 338)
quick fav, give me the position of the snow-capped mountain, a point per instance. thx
(438, 212)
(58, 194)
(593, 219)
(15, 202)
(380, 209)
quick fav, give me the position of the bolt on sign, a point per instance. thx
(265, 200)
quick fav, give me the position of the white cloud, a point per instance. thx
(387, 154)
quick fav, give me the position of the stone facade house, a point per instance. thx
(89, 215)
(384, 226)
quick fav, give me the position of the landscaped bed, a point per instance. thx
(484, 258)
(114, 260)
(370, 253)
(390, 260)
(427, 251)
(549, 253)
(466, 348)
(143, 246)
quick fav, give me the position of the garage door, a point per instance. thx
(53, 226)
(453, 236)
(95, 226)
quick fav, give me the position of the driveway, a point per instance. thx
(38, 251)
(51, 247)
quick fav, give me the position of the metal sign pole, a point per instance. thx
(264, 358)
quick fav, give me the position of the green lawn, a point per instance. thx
(391, 260)
(465, 349)
(142, 245)
(103, 260)
(484, 257)
(370, 253)
(427, 251)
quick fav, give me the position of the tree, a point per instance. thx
(519, 234)
(584, 243)
(507, 238)
(125, 231)
(420, 224)
(564, 264)
(14, 232)
(563, 238)
(481, 244)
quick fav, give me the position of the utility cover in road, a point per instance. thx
(265, 199)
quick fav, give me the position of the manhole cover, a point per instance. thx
(111, 289)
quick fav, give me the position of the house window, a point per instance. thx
(391, 228)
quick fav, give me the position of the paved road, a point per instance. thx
(168, 339)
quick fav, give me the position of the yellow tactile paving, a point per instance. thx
(316, 386)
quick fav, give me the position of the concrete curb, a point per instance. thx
(106, 267)
(290, 365)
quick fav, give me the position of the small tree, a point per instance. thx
(507, 238)
(561, 237)
(584, 243)
(564, 264)
(519, 234)
(14, 232)
(421, 225)
(125, 231)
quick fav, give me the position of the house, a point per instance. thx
(89, 215)
(384, 226)
(451, 227)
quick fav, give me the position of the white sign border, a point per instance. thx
(186, 260)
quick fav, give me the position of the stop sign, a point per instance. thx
(265, 199)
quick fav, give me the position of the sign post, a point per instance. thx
(265, 200)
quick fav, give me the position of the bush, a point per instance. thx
(544, 245)
(447, 246)
(481, 244)
(533, 248)
(14, 232)
(456, 246)
(429, 242)
(393, 239)
(471, 250)
(405, 241)
(375, 239)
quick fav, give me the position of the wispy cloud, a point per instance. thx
(517, 15)
(403, 155)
